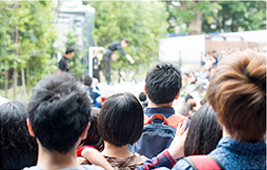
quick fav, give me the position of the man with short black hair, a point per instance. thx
(118, 45)
(162, 86)
(59, 112)
(64, 62)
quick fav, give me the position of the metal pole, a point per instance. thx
(90, 62)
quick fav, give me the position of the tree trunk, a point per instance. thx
(194, 26)
(15, 77)
(34, 68)
(48, 69)
(28, 77)
(6, 79)
(23, 82)
(15, 72)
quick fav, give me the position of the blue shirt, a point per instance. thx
(232, 154)
(93, 93)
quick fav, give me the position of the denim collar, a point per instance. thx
(166, 111)
(159, 110)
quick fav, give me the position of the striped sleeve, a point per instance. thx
(164, 159)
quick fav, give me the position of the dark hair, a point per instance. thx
(203, 101)
(93, 138)
(69, 50)
(87, 80)
(59, 111)
(163, 83)
(188, 96)
(185, 109)
(142, 97)
(121, 119)
(125, 40)
(185, 74)
(204, 132)
(237, 91)
(18, 147)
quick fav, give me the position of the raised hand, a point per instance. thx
(176, 148)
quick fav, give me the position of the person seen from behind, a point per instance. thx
(59, 115)
(237, 93)
(120, 123)
(92, 90)
(18, 147)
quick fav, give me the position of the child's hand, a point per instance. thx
(176, 148)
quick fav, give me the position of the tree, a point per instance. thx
(235, 16)
(211, 16)
(27, 34)
(142, 23)
(190, 13)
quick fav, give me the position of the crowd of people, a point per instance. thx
(196, 82)
(62, 128)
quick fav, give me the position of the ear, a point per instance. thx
(145, 89)
(84, 134)
(30, 127)
(178, 94)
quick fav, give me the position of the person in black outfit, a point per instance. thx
(215, 56)
(64, 62)
(96, 66)
(118, 45)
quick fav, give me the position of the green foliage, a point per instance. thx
(235, 15)
(33, 22)
(142, 23)
(179, 13)
(229, 16)
(75, 62)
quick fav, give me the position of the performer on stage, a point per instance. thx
(64, 62)
(118, 45)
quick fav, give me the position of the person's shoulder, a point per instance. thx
(90, 167)
(115, 43)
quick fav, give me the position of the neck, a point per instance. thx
(55, 160)
(151, 104)
(114, 151)
(225, 133)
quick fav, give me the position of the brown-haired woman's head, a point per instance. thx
(121, 119)
(237, 91)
